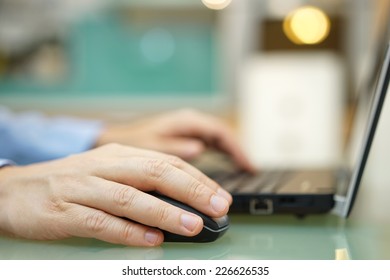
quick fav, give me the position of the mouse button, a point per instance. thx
(216, 223)
(222, 221)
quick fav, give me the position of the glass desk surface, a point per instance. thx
(249, 237)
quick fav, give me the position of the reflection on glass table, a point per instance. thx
(250, 237)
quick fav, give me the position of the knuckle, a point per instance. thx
(162, 214)
(194, 190)
(155, 168)
(128, 232)
(175, 161)
(96, 221)
(124, 197)
(56, 205)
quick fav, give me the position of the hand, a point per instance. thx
(184, 133)
(85, 195)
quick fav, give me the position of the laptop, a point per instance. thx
(302, 192)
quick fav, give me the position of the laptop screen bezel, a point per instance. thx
(373, 119)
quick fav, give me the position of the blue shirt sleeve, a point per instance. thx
(31, 137)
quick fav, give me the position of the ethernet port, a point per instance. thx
(259, 206)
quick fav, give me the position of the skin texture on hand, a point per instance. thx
(86, 195)
(185, 133)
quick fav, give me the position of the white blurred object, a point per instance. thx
(290, 108)
(280, 8)
(216, 4)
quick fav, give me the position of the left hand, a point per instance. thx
(185, 133)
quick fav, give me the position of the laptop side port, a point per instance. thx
(261, 206)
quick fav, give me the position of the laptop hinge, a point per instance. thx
(339, 206)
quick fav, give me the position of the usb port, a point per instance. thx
(261, 206)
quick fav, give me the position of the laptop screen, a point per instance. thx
(344, 205)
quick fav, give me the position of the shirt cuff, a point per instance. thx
(5, 162)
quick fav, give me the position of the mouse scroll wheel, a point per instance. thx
(222, 221)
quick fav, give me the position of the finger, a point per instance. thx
(183, 147)
(228, 143)
(151, 174)
(88, 222)
(125, 201)
(186, 167)
(198, 175)
(214, 131)
(130, 152)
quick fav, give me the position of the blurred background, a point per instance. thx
(287, 72)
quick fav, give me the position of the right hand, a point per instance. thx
(86, 194)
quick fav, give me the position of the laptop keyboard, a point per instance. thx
(244, 182)
(276, 181)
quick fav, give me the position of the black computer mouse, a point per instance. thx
(213, 228)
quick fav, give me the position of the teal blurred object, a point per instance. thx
(108, 55)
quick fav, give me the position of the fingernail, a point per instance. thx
(218, 203)
(192, 149)
(225, 194)
(190, 222)
(152, 237)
